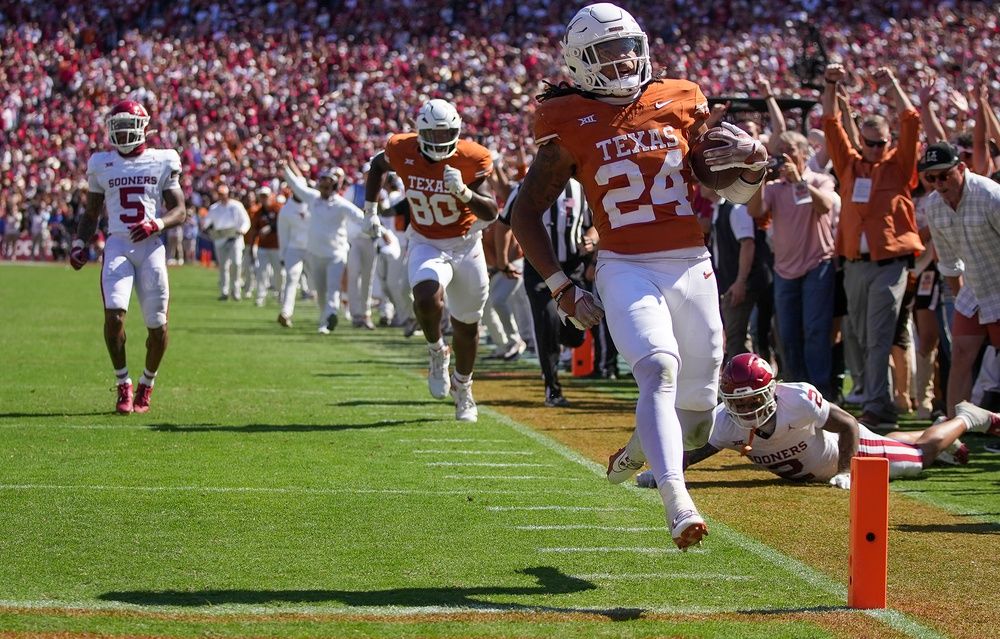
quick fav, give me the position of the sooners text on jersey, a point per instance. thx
(799, 448)
(434, 212)
(132, 186)
(631, 161)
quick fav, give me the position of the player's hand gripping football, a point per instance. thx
(78, 255)
(454, 184)
(579, 306)
(145, 229)
(740, 150)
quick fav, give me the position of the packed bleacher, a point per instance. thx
(236, 85)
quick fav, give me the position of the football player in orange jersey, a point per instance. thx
(625, 136)
(444, 179)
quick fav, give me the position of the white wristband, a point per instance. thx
(371, 208)
(557, 281)
(78, 243)
(158, 223)
(465, 194)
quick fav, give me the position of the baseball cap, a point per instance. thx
(938, 156)
(336, 173)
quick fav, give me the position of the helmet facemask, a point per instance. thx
(438, 144)
(126, 131)
(438, 129)
(751, 407)
(616, 66)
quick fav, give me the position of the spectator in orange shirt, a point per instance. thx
(877, 234)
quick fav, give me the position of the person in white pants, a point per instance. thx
(360, 269)
(269, 272)
(326, 249)
(293, 237)
(226, 222)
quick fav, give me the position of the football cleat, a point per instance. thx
(322, 330)
(645, 479)
(688, 529)
(331, 322)
(465, 405)
(556, 401)
(142, 395)
(514, 349)
(285, 321)
(955, 455)
(124, 404)
(438, 380)
(979, 419)
(623, 464)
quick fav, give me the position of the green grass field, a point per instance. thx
(290, 484)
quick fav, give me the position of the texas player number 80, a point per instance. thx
(440, 208)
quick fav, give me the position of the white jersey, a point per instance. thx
(799, 448)
(133, 186)
(293, 225)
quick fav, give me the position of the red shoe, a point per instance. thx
(124, 405)
(142, 394)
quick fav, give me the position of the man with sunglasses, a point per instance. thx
(877, 235)
(963, 213)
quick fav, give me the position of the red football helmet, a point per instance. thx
(747, 385)
(126, 126)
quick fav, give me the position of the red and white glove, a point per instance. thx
(741, 150)
(145, 229)
(454, 184)
(78, 255)
(573, 303)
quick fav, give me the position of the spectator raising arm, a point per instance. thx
(928, 111)
(778, 125)
(983, 132)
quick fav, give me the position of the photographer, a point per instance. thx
(803, 206)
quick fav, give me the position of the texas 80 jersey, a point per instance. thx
(132, 186)
(631, 162)
(434, 212)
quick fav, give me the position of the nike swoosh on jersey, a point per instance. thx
(662, 103)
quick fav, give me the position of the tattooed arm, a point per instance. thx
(552, 168)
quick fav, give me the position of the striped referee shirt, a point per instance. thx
(966, 240)
(566, 220)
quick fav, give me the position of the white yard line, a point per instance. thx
(454, 440)
(687, 576)
(645, 550)
(626, 529)
(473, 452)
(599, 509)
(489, 464)
(514, 477)
(291, 490)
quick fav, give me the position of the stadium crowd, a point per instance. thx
(237, 86)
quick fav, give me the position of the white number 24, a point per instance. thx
(668, 187)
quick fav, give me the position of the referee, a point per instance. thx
(574, 239)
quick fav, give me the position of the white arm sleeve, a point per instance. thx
(93, 183)
(302, 190)
(173, 171)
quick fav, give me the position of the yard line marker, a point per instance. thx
(562, 508)
(654, 550)
(713, 576)
(892, 618)
(514, 477)
(660, 529)
(472, 452)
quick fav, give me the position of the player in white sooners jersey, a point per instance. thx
(789, 429)
(139, 189)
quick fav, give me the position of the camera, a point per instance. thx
(775, 162)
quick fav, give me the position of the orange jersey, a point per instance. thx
(434, 212)
(631, 160)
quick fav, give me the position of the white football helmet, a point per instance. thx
(126, 125)
(599, 39)
(438, 128)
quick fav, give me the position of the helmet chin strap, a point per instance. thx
(747, 447)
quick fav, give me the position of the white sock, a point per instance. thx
(463, 379)
(438, 345)
(147, 378)
(121, 374)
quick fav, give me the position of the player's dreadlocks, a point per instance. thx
(558, 90)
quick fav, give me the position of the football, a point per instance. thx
(714, 180)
